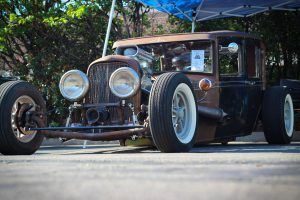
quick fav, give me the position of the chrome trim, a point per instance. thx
(134, 76)
(86, 85)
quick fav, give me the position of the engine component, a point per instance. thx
(146, 83)
(144, 58)
(135, 52)
(94, 115)
(141, 116)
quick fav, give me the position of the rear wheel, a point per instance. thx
(172, 113)
(278, 115)
(16, 98)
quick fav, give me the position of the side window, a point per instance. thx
(230, 62)
(253, 59)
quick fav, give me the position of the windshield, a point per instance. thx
(191, 56)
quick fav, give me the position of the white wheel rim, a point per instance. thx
(289, 115)
(184, 113)
(20, 133)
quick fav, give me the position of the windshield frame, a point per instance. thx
(213, 56)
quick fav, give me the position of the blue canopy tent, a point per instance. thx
(200, 10)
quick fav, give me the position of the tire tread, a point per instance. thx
(160, 130)
(273, 115)
(9, 145)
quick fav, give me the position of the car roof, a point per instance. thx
(181, 37)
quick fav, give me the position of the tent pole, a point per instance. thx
(193, 20)
(111, 16)
(193, 25)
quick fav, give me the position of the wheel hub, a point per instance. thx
(178, 113)
(183, 113)
(20, 107)
(288, 115)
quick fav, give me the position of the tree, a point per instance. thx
(40, 40)
(134, 16)
(281, 33)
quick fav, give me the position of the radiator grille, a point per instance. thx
(99, 75)
(99, 92)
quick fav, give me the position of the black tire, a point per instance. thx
(161, 117)
(276, 130)
(10, 92)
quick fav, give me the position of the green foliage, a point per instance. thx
(160, 30)
(281, 33)
(40, 40)
(55, 21)
(134, 18)
(78, 12)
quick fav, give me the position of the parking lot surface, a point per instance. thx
(237, 171)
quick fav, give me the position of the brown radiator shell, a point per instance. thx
(99, 73)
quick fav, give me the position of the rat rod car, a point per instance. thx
(177, 90)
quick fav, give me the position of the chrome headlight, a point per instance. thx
(73, 85)
(124, 82)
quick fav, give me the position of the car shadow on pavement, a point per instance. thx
(96, 149)
(247, 148)
(210, 148)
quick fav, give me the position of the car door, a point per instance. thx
(232, 87)
(254, 84)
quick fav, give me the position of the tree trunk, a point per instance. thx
(125, 19)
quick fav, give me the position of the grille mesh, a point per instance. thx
(99, 75)
(99, 92)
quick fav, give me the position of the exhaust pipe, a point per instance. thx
(212, 113)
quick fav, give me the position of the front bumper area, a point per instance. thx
(93, 133)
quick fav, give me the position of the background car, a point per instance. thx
(7, 76)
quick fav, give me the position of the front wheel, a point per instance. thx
(172, 113)
(17, 97)
(278, 115)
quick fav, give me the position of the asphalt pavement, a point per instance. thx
(238, 171)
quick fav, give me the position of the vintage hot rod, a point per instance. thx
(177, 90)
